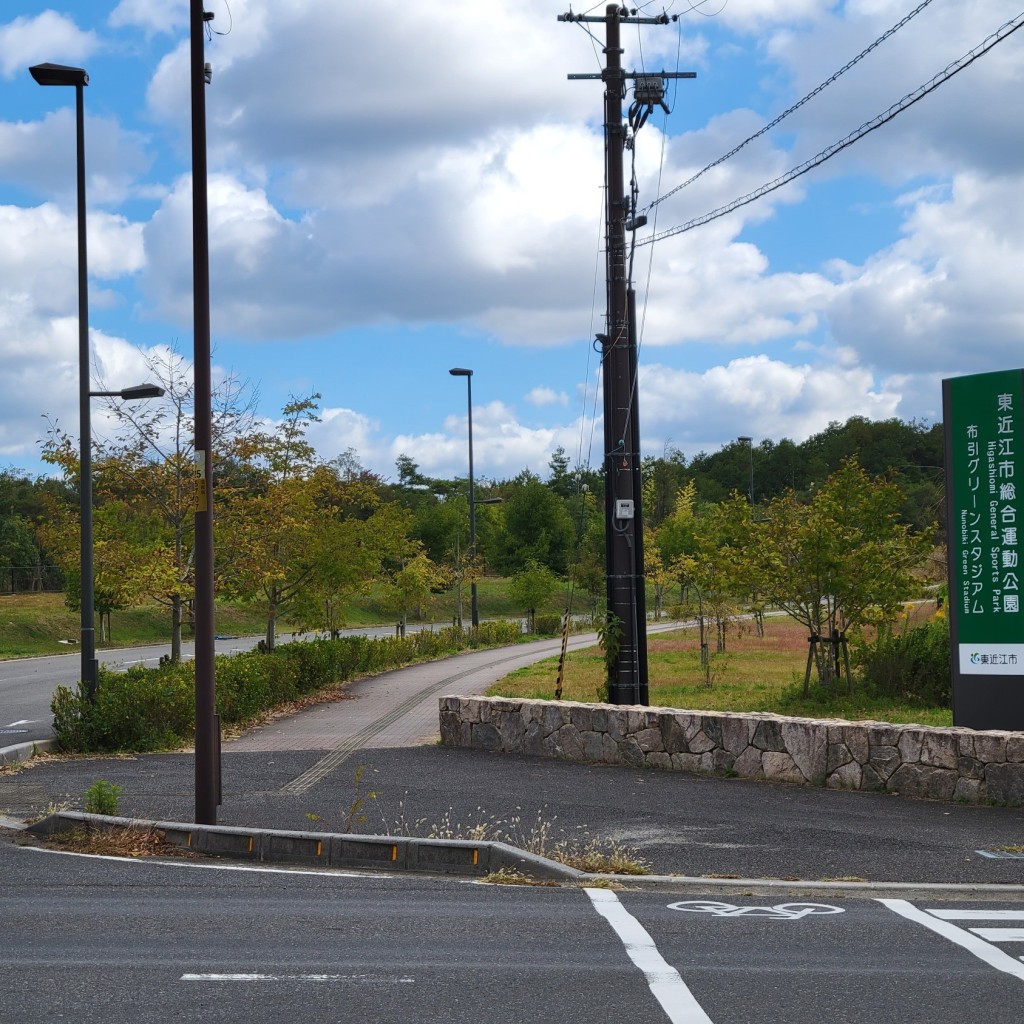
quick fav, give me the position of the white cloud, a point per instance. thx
(152, 16)
(758, 396)
(947, 295)
(38, 314)
(47, 38)
(542, 396)
(40, 156)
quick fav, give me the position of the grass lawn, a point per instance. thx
(34, 624)
(754, 674)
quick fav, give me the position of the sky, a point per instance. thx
(400, 188)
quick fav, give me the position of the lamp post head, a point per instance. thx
(132, 393)
(745, 440)
(137, 391)
(58, 74)
(459, 371)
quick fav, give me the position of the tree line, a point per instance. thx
(300, 535)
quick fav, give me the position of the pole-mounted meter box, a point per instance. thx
(649, 88)
(624, 508)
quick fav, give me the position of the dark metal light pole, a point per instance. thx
(207, 766)
(474, 612)
(61, 74)
(750, 444)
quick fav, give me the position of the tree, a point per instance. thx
(20, 560)
(146, 476)
(711, 567)
(531, 588)
(837, 563)
(412, 583)
(409, 474)
(560, 480)
(537, 526)
(270, 520)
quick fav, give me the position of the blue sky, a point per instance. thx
(403, 188)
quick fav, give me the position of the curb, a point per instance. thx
(329, 850)
(476, 860)
(26, 751)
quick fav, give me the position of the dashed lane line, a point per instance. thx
(357, 979)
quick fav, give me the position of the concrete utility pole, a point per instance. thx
(624, 555)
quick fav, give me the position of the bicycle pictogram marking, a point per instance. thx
(780, 912)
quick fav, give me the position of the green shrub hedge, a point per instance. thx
(144, 709)
(912, 666)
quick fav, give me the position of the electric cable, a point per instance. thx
(1003, 32)
(796, 106)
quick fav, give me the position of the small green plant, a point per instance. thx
(609, 636)
(354, 815)
(102, 798)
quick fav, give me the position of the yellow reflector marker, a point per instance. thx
(476, 857)
(319, 847)
(250, 844)
(189, 843)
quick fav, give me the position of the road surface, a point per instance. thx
(91, 941)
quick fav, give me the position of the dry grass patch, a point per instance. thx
(542, 837)
(127, 841)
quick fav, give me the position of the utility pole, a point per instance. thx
(207, 765)
(624, 555)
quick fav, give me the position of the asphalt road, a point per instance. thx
(27, 684)
(90, 941)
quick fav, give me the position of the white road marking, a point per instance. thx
(663, 979)
(362, 979)
(23, 721)
(1000, 934)
(972, 943)
(171, 863)
(978, 915)
(780, 912)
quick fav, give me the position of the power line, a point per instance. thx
(1004, 31)
(796, 106)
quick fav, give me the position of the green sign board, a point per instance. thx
(984, 427)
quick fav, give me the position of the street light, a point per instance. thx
(749, 441)
(458, 371)
(131, 394)
(60, 74)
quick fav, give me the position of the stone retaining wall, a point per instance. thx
(911, 760)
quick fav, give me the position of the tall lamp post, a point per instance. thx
(208, 759)
(60, 74)
(459, 371)
(749, 441)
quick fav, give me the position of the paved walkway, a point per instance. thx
(398, 708)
